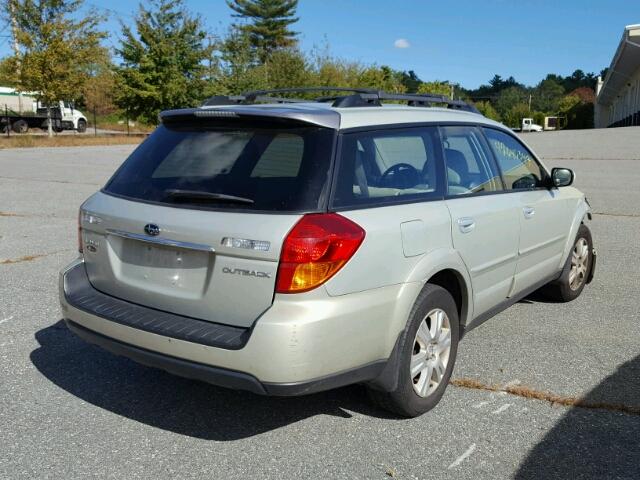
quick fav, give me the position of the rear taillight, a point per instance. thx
(315, 249)
(80, 231)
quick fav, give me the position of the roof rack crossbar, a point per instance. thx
(254, 93)
(358, 97)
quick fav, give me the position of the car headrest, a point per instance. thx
(456, 161)
(453, 177)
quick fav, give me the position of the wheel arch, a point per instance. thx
(453, 282)
(446, 268)
(451, 275)
(581, 215)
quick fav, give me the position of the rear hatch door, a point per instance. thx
(193, 222)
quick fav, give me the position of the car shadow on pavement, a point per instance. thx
(593, 444)
(180, 405)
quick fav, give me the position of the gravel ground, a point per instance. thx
(70, 410)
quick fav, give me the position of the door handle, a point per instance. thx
(466, 224)
(529, 212)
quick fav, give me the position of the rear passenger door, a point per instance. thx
(544, 216)
(485, 229)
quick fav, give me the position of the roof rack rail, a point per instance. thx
(357, 97)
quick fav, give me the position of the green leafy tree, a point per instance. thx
(436, 87)
(546, 96)
(163, 61)
(382, 78)
(410, 80)
(494, 87)
(58, 46)
(510, 98)
(577, 111)
(266, 23)
(487, 110)
(99, 90)
(287, 68)
(514, 115)
(237, 66)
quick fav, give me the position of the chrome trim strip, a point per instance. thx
(162, 241)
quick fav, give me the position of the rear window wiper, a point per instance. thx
(186, 195)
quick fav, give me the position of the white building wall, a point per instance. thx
(626, 104)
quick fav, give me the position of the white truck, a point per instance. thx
(22, 111)
(529, 126)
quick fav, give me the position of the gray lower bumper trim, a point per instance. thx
(80, 294)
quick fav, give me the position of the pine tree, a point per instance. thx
(268, 23)
(163, 62)
(57, 46)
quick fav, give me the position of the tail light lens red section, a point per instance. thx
(315, 249)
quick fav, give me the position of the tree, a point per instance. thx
(509, 98)
(486, 109)
(268, 23)
(410, 80)
(577, 108)
(493, 89)
(436, 88)
(99, 90)
(382, 78)
(237, 66)
(163, 62)
(514, 115)
(57, 48)
(547, 95)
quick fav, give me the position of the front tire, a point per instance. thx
(575, 273)
(82, 126)
(429, 346)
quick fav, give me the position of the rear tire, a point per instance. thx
(576, 269)
(20, 126)
(428, 349)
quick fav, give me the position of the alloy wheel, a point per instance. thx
(579, 264)
(431, 351)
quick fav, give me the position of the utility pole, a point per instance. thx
(452, 87)
(16, 47)
(529, 104)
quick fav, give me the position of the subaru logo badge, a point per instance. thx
(152, 229)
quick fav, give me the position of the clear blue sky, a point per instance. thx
(463, 41)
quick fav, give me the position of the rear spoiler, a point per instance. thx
(280, 114)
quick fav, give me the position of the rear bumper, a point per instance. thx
(225, 377)
(303, 344)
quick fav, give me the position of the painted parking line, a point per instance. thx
(463, 457)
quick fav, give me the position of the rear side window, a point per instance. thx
(519, 169)
(255, 169)
(469, 165)
(381, 167)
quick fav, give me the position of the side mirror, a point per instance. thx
(562, 177)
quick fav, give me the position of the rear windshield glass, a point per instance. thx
(243, 168)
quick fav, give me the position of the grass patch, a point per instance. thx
(33, 141)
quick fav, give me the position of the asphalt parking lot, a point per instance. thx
(70, 410)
